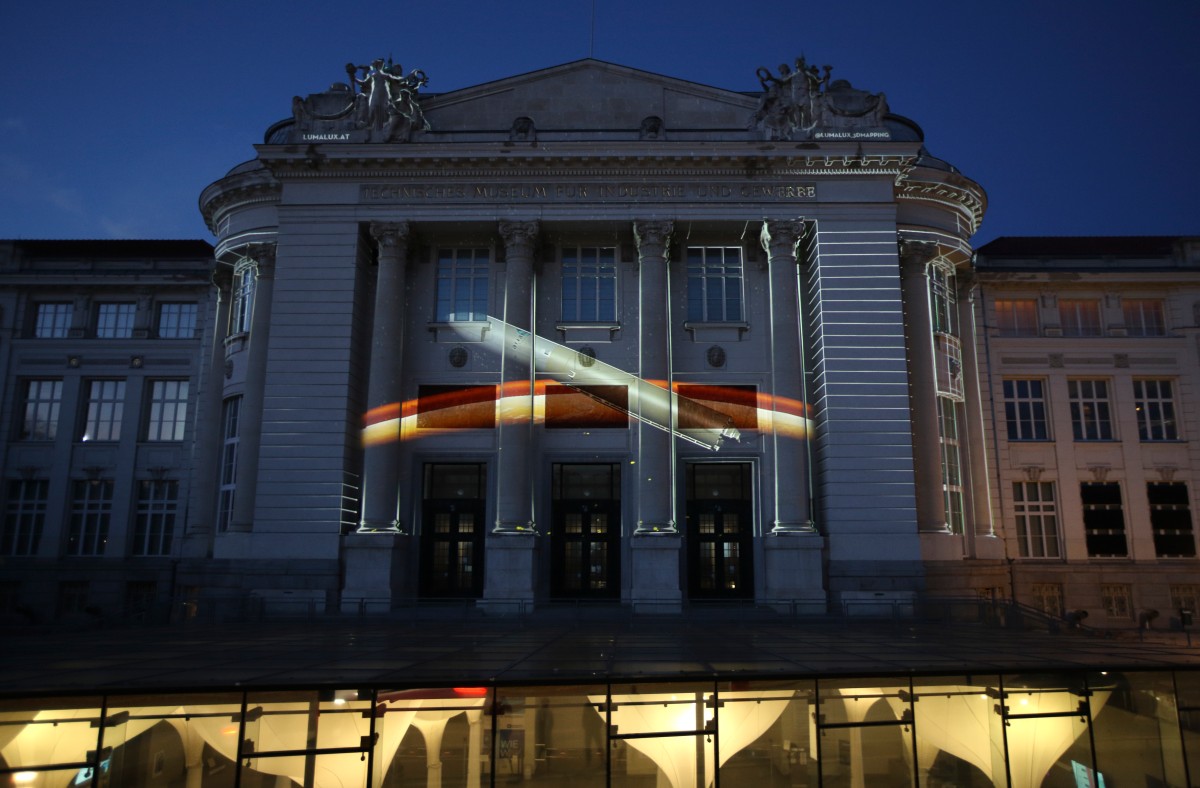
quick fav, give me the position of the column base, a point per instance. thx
(655, 562)
(509, 573)
(379, 527)
(794, 527)
(795, 576)
(375, 563)
(525, 527)
(649, 529)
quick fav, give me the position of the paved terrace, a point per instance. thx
(575, 647)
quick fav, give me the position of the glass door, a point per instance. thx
(585, 534)
(719, 530)
(452, 529)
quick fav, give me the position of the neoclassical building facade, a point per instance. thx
(591, 333)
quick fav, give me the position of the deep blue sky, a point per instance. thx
(1078, 118)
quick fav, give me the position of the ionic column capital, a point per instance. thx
(520, 237)
(780, 237)
(652, 237)
(390, 236)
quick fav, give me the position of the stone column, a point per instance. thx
(976, 447)
(927, 445)
(208, 403)
(514, 493)
(793, 510)
(251, 412)
(381, 448)
(656, 488)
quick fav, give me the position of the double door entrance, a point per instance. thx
(720, 508)
(585, 530)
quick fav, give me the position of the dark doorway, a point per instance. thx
(720, 507)
(452, 529)
(585, 535)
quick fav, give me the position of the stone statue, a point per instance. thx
(388, 103)
(803, 104)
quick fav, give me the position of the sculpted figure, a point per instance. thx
(796, 102)
(390, 98)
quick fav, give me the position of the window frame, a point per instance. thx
(24, 516)
(115, 319)
(242, 292)
(230, 444)
(56, 325)
(155, 515)
(1026, 413)
(177, 326)
(1075, 317)
(29, 427)
(1099, 523)
(703, 276)
(462, 277)
(1139, 326)
(1041, 509)
(1091, 410)
(1156, 412)
(96, 417)
(158, 408)
(90, 517)
(1009, 321)
(1171, 520)
(575, 280)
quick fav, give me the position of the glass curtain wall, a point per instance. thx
(1019, 730)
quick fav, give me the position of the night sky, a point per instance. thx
(1077, 118)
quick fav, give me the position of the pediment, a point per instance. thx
(588, 95)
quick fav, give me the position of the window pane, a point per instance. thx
(105, 409)
(1080, 317)
(715, 283)
(177, 321)
(53, 321)
(42, 401)
(1017, 317)
(168, 410)
(462, 285)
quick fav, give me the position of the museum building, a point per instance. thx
(597, 340)
(614, 336)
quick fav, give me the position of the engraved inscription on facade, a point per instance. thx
(586, 191)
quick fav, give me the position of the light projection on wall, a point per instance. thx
(710, 416)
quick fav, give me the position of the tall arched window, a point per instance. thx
(244, 275)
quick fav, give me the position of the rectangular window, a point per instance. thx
(1037, 519)
(586, 407)
(177, 320)
(1144, 317)
(91, 513)
(1155, 403)
(168, 410)
(942, 300)
(456, 407)
(1048, 597)
(462, 285)
(24, 516)
(589, 284)
(714, 284)
(1185, 597)
(105, 409)
(1103, 519)
(952, 486)
(1017, 317)
(1080, 317)
(1091, 419)
(154, 528)
(241, 309)
(1117, 600)
(1171, 519)
(53, 320)
(1025, 410)
(115, 320)
(39, 421)
(229, 460)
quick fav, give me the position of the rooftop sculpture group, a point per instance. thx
(379, 103)
(803, 104)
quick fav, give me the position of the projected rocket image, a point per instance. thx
(706, 419)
